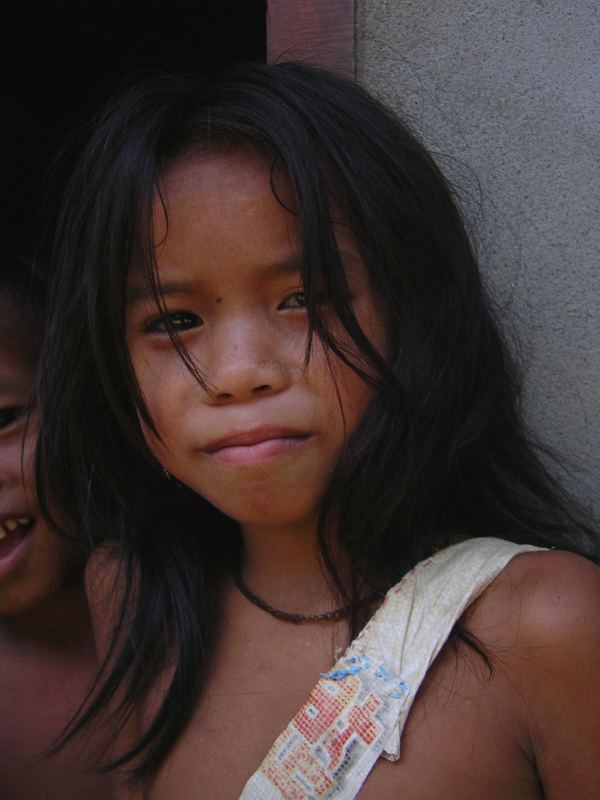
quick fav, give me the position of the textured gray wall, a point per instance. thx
(512, 89)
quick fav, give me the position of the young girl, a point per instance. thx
(277, 395)
(47, 656)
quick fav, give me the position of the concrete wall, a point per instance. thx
(512, 91)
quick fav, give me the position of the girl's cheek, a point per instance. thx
(152, 376)
(373, 323)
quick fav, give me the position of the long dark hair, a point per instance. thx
(441, 451)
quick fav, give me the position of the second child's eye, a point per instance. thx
(179, 321)
(9, 415)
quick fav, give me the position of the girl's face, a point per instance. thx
(34, 561)
(263, 443)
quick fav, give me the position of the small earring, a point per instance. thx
(167, 474)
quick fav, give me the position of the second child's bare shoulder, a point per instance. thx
(102, 569)
(104, 586)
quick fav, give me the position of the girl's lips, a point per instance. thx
(258, 451)
(251, 436)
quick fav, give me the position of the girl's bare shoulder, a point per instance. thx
(548, 599)
(540, 623)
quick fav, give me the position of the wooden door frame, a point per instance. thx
(314, 31)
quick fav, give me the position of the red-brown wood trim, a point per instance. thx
(314, 31)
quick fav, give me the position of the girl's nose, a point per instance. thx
(247, 363)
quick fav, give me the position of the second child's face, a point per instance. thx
(262, 444)
(34, 561)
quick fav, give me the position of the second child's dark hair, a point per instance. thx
(441, 451)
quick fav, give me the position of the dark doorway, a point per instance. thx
(65, 57)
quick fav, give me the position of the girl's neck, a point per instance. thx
(282, 567)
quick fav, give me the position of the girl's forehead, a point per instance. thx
(212, 197)
(216, 212)
(231, 184)
(235, 210)
(217, 177)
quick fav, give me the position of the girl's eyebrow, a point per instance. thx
(142, 292)
(294, 263)
(286, 267)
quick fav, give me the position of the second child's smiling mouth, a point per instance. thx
(15, 539)
(13, 524)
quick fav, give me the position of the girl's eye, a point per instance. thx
(9, 415)
(297, 300)
(179, 321)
